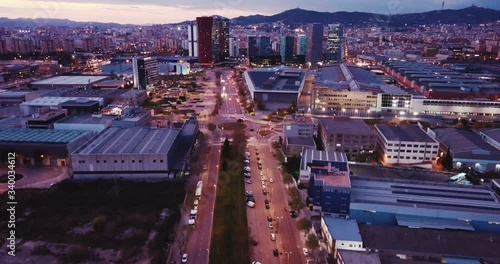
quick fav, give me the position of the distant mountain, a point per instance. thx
(470, 15)
(41, 22)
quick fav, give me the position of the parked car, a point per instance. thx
(250, 204)
(275, 252)
(271, 180)
(306, 251)
(248, 181)
(269, 218)
(270, 225)
(192, 220)
(184, 258)
(293, 214)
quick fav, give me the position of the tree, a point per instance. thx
(296, 202)
(448, 161)
(304, 225)
(226, 148)
(211, 127)
(312, 242)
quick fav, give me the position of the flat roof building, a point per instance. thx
(341, 234)
(42, 104)
(95, 122)
(329, 185)
(70, 81)
(352, 136)
(405, 145)
(280, 85)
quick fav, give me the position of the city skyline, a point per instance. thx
(155, 11)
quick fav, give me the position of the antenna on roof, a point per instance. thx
(442, 6)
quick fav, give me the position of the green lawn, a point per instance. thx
(230, 238)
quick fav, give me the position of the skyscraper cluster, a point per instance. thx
(210, 39)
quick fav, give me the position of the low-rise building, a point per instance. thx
(280, 85)
(69, 81)
(405, 145)
(351, 136)
(298, 132)
(138, 153)
(95, 122)
(329, 185)
(43, 104)
(311, 155)
(341, 234)
(454, 107)
(469, 148)
(41, 147)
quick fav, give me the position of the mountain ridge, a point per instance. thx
(469, 15)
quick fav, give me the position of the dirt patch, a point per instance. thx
(5, 178)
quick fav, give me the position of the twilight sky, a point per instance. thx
(171, 11)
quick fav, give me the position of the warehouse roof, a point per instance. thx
(39, 135)
(345, 126)
(467, 143)
(343, 229)
(425, 199)
(404, 133)
(70, 80)
(118, 140)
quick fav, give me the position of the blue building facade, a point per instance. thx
(329, 187)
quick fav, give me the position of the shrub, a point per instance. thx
(99, 223)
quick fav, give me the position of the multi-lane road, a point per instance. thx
(288, 241)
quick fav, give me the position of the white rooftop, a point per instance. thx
(56, 100)
(70, 80)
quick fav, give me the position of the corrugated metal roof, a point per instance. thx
(39, 135)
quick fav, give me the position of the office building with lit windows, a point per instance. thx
(314, 47)
(287, 44)
(329, 185)
(301, 44)
(193, 40)
(342, 134)
(334, 44)
(205, 27)
(145, 71)
(220, 38)
(405, 145)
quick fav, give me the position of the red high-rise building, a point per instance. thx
(205, 25)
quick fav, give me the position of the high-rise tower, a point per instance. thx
(205, 25)
(193, 40)
(314, 47)
(334, 44)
